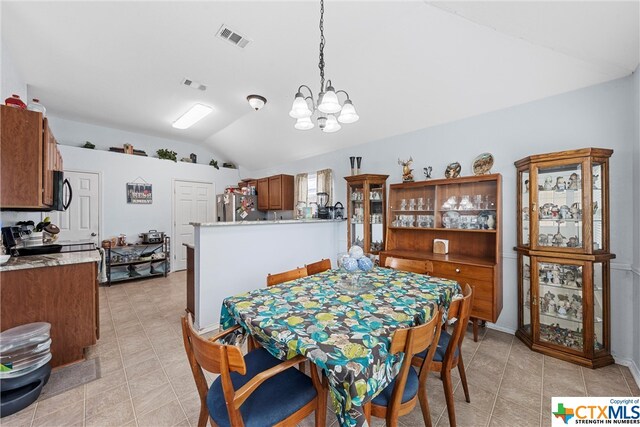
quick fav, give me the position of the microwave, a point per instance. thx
(62, 192)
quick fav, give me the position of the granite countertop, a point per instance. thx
(50, 260)
(271, 222)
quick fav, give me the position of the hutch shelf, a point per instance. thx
(563, 255)
(366, 211)
(467, 213)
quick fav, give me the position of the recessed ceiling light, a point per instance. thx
(191, 117)
(256, 101)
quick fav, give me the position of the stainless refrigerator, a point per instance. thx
(238, 207)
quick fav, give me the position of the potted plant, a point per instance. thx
(166, 154)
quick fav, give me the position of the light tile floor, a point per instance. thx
(146, 380)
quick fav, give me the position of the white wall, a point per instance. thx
(117, 169)
(11, 81)
(636, 215)
(74, 133)
(232, 259)
(598, 116)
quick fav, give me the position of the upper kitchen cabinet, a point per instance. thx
(28, 157)
(275, 193)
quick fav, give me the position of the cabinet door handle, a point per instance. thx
(457, 270)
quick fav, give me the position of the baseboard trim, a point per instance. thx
(631, 364)
(501, 328)
(209, 328)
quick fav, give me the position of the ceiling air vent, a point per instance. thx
(193, 84)
(231, 36)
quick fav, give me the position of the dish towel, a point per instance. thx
(102, 271)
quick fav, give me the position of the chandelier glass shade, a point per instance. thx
(328, 104)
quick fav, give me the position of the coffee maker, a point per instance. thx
(323, 210)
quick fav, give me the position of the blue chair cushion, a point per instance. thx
(275, 400)
(443, 343)
(410, 390)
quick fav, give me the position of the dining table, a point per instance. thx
(345, 331)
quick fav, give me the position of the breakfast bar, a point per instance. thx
(235, 257)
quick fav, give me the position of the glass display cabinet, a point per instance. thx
(563, 255)
(366, 208)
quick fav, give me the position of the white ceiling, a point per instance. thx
(406, 64)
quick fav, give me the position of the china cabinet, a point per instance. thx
(366, 211)
(563, 255)
(465, 213)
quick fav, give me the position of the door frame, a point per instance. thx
(100, 204)
(173, 212)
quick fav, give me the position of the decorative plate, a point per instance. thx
(453, 170)
(482, 164)
(451, 219)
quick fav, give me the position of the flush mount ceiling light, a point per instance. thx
(328, 105)
(256, 101)
(191, 117)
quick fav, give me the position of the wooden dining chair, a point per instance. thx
(274, 279)
(412, 265)
(318, 266)
(400, 396)
(449, 352)
(253, 389)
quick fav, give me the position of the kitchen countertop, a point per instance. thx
(50, 260)
(271, 222)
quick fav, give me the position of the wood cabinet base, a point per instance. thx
(596, 362)
(66, 296)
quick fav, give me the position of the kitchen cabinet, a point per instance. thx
(263, 194)
(465, 212)
(275, 193)
(366, 211)
(28, 154)
(563, 255)
(65, 296)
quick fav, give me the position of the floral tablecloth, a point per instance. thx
(346, 335)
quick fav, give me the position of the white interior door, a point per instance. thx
(192, 202)
(81, 222)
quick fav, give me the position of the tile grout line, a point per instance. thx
(542, 394)
(161, 366)
(625, 381)
(126, 378)
(504, 369)
(584, 381)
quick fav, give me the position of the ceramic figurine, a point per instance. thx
(574, 182)
(558, 239)
(555, 277)
(548, 183)
(543, 240)
(565, 212)
(575, 211)
(595, 207)
(491, 222)
(573, 242)
(427, 172)
(407, 176)
(561, 184)
(526, 186)
(562, 311)
(555, 212)
(525, 214)
(596, 182)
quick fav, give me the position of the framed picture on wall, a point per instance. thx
(139, 193)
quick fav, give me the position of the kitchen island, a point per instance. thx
(61, 289)
(234, 257)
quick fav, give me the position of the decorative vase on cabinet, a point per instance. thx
(563, 255)
(367, 203)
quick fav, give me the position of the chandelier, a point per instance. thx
(328, 105)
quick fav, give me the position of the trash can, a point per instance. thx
(25, 352)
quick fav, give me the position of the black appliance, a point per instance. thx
(11, 237)
(12, 240)
(59, 196)
(323, 211)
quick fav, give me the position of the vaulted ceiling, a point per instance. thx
(406, 64)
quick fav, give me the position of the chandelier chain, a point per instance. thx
(321, 63)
